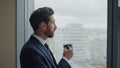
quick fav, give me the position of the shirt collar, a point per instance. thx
(39, 38)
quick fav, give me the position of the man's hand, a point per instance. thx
(68, 53)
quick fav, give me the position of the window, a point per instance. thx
(84, 40)
(82, 26)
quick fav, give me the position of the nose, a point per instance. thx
(55, 27)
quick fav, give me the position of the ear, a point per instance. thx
(43, 26)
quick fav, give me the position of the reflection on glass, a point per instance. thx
(82, 23)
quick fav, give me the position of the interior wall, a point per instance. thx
(7, 33)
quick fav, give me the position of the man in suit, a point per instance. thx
(36, 53)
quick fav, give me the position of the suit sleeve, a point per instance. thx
(31, 59)
(64, 64)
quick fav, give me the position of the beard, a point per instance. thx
(49, 34)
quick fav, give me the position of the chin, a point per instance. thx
(50, 36)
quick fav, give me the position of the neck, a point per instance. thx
(41, 35)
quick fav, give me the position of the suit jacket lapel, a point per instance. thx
(43, 50)
(53, 58)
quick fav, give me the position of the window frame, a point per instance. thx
(20, 29)
(114, 32)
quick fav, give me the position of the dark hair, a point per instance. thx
(39, 15)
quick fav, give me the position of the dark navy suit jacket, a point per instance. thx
(34, 55)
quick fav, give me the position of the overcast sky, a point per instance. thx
(91, 13)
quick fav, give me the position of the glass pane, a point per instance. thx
(83, 23)
(118, 3)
